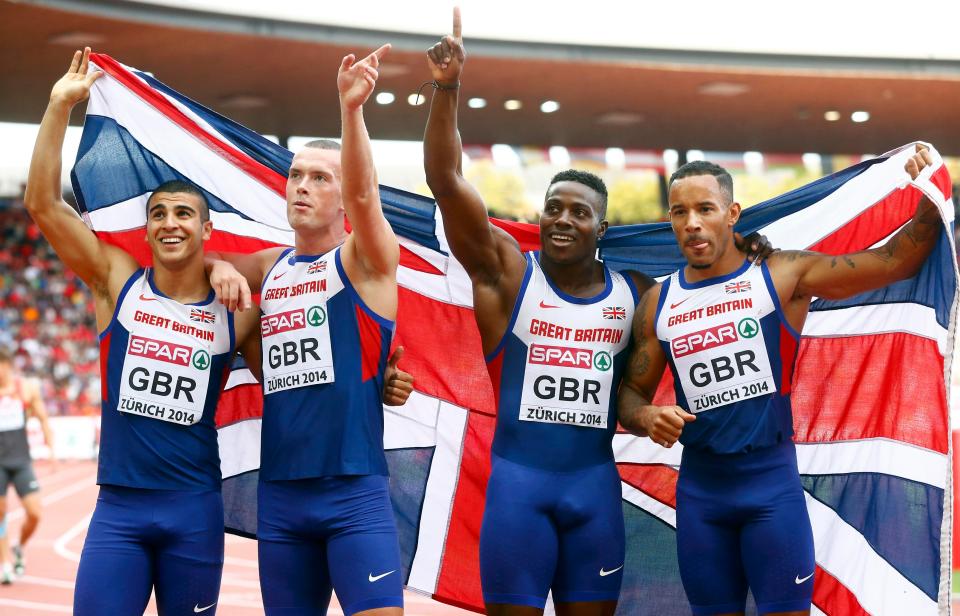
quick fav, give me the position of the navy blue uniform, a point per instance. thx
(159, 517)
(323, 492)
(741, 512)
(553, 518)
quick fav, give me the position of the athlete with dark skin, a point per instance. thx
(703, 214)
(572, 223)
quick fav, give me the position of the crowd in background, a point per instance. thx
(46, 317)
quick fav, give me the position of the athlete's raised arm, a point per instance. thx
(104, 268)
(372, 243)
(837, 277)
(484, 252)
(635, 412)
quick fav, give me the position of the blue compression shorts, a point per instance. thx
(168, 540)
(742, 521)
(545, 530)
(330, 533)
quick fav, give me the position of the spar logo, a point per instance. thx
(272, 324)
(201, 360)
(316, 316)
(706, 339)
(569, 357)
(748, 327)
(160, 350)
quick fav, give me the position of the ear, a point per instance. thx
(602, 229)
(207, 230)
(733, 213)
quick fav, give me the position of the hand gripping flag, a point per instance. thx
(869, 394)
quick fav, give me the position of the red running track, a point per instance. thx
(69, 493)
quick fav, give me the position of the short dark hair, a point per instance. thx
(181, 186)
(703, 167)
(323, 144)
(587, 179)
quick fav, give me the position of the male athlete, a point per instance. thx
(729, 331)
(165, 346)
(19, 399)
(325, 521)
(555, 328)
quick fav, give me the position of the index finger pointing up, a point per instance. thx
(457, 28)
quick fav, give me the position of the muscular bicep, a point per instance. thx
(476, 243)
(647, 361)
(840, 276)
(96, 262)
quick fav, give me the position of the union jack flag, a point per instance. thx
(869, 393)
(317, 267)
(615, 312)
(737, 287)
(202, 316)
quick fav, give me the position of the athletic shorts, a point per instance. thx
(170, 541)
(742, 522)
(545, 530)
(22, 477)
(323, 534)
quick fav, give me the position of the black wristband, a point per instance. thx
(440, 86)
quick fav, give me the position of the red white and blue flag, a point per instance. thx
(618, 313)
(202, 316)
(740, 286)
(869, 395)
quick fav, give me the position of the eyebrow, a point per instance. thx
(176, 206)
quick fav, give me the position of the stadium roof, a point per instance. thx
(278, 78)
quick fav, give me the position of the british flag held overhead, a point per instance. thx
(202, 316)
(736, 287)
(615, 312)
(869, 393)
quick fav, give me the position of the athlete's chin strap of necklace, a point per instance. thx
(436, 85)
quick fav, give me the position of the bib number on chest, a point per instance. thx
(567, 385)
(724, 364)
(296, 349)
(164, 380)
(12, 416)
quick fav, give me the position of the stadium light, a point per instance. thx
(505, 156)
(512, 104)
(477, 103)
(559, 156)
(416, 99)
(615, 158)
(813, 163)
(831, 116)
(385, 98)
(860, 116)
(549, 106)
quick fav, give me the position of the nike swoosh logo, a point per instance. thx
(604, 573)
(542, 305)
(373, 578)
(197, 609)
(799, 580)
(280, 275)
(672, 306)
(144, 298)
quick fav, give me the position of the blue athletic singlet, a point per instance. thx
(324, 356)
(557, 370)
(323, 501)
(158, 522)
(163, 365)
(741, 512)
(553, 519)
(732, 353)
